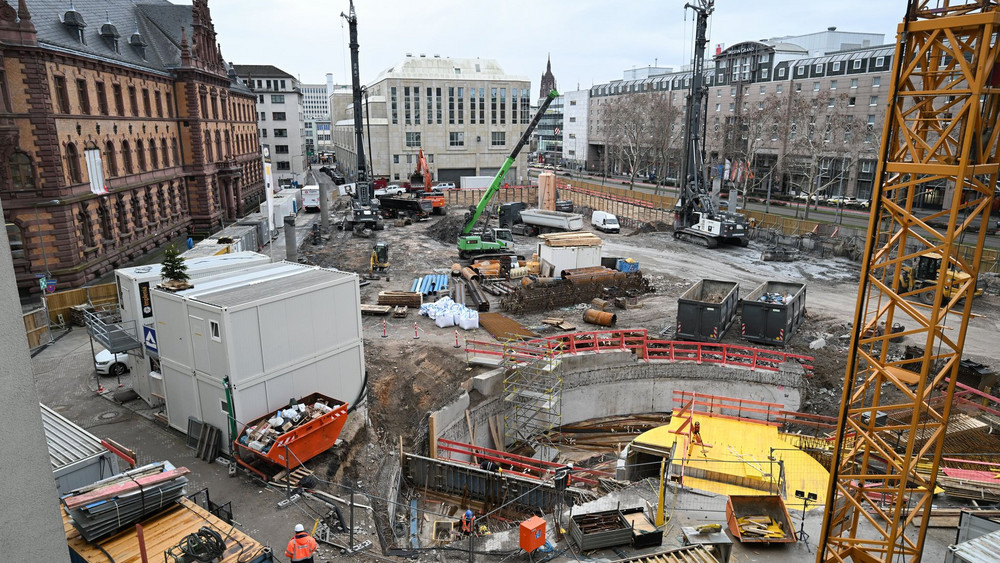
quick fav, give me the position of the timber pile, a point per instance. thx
(969, 484)
(375, 309)
(405, 298)
(760, 527)
(400, 312)
(543, 296)
(107, 506)
(570, 239)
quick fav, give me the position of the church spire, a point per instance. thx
(548, 80)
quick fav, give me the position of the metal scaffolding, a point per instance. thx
(533, 388)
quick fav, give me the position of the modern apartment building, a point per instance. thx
(118, 135)
(465, 114)
(280, 119)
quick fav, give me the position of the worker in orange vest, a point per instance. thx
(302, 547)
(468, 523)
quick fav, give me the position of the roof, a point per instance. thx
(983, 549)
(156, 21)
(68, 443)
(260, 71)
(161, 533)
(445, 68)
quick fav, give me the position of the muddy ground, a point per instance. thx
(409, 376)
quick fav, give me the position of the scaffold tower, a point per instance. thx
(533, 388)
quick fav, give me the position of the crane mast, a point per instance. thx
(941, 124)
(363, 214)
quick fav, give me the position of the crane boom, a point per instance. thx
(941, 121)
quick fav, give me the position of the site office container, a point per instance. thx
(278, 331)
(135, 303)
(773, 323)
(706, 310)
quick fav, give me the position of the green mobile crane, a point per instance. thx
(487, 240)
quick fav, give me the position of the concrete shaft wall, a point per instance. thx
(615, 383)
(31, 523)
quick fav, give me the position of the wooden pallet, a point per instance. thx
(400, 312)
(375, 309)
(298, 474)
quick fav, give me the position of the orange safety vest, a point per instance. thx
(467, 523)
(302, 546)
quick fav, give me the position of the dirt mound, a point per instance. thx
(446, 229)
(651, 227)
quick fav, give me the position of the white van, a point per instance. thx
(310, 197)
(604, 221)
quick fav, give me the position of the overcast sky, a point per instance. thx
(590, 41)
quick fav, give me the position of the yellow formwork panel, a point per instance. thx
(735, 458)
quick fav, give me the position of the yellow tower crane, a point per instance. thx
(941, 127)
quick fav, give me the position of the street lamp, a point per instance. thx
(41, 239)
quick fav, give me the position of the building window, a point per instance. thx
(62, 95)
(876, 81)
(461, 105)
(873, 101)
(73, 163)
(159, 103)
(86, 229)
(395, 159)
(831, 103)
(732, 91)
(430, 106)
(145, 102)
(416, 105)
(781, 72)
(763, 74)
(456, 139)
(116, 90)
(21, 173)
(503, 106)
(413, 139)
(277, 98)
(818, 68)
(163, 153)
(170, 105)
(140, 153)
(833, 84)
(815, 86)
(798, 87)
(763, 90)
(718, 107)
(127, 157)
(278, 116)
(879, 61)
(154, 160)
(857, 64)
(498, 138)
(760, 105)
(851, 101)
(111, 159)
(84, 95)
(280, 149)
(283, 165)
(105, 223)
(438, 105)
(778, 88)
(174, 152)
(451, 105)
(281, 132)
(133, 101)
(406, 106)
(493, 106)
(836, 66)
(263, 133)
(394, 107)
(215, 331)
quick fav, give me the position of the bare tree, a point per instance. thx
(666, 130)
(628, 130)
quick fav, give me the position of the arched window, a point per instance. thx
(174, 153)
(127, 157)
(218, 147)
(161, 200)
(229, 146)
(111, 159)
(16, 240)
(22, 174)
(105, 222)
(86, 228)
(164, 153)
(73, 163)
(154, 160)
(120, 212)
(140, 153)
(208, 147)
(151, 215)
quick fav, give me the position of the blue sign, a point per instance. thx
(149, 339)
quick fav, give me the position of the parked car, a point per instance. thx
(389, 191)
(605, 222)
(445, 186)
(862, 203)
(837, 200)
(111, 364)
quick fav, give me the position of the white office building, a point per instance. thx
(280, 119)
(465, 114)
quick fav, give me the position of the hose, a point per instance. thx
(205, 545)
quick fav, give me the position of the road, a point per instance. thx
(854, 218)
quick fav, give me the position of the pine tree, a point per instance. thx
(174, 268)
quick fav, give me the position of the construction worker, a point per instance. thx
(468, 523)
(301, 547)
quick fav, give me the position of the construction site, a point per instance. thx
(509, 381)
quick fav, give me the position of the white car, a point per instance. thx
(389, 191)
(445, 186)
(111, 364)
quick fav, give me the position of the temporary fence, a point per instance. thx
(36, 328)
(62, 302)
(638, 342)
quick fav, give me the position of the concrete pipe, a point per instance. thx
(602, 318)
(470, 274)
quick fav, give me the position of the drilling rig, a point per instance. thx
(364, 212)
(696, 218)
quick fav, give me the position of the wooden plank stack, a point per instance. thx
(107, 506)
(570, 239)
(760, 527)
(375, 309)
(410, 299)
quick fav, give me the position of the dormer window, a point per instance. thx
(74, 21)
(138, 43)
(110, 35)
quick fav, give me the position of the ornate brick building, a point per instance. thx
(121, 127)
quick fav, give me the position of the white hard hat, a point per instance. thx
(299, 528)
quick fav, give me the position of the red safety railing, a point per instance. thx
(512, 463)
(638, 342)
(716, 406)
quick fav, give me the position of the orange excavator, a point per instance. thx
(422, 176)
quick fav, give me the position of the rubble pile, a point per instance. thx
(261, 436)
